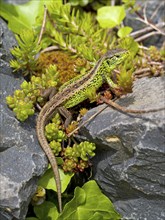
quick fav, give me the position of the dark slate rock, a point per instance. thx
(151, 7)
(5, 45)
(22, 160)
(130, 157)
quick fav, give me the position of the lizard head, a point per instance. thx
(115, 57)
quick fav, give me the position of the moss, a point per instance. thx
(66, 65)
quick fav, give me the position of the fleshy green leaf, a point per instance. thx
(22, 16)
(110, 16)
(124, 31)
(46, 211)
(47, 180)
(89, 203)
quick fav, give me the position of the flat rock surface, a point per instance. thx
(130, 159)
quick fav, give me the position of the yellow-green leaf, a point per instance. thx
(46, 211)
(110, 16)
(124, 31)
(22, 16)
(47, 180)
(89, 203)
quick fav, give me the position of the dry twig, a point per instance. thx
(88, 120)
(151, 29)
(43, 25)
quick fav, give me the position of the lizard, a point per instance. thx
(71, 94)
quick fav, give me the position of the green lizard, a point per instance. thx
(73, 93)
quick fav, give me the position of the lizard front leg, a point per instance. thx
(48, 93)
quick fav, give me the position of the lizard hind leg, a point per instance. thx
(66, 114)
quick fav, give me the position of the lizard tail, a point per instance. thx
(46, 148)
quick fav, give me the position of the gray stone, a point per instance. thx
(151, 7)
(22, 160)
(130, 159)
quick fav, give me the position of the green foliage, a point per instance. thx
(92, 4)
(25, 53)
(76, 32)
(39, 196)
(56, 145)
(125, 76)
(21, 105)
(46, 211)
(76, 157)
(89, 203)
(125, 80)
(82, 150)
(79, 2)
(73, 31)
(130, 44)
(110, 16)
(55, 134)
(124, 31)
(129, 3)
(22, 102)
(73, 159)
(53, 130)
(156, 54)
(47, 180)
(145, 60)
(21, 17)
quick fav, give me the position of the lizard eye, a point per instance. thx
(117, 56)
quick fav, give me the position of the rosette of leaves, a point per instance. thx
(55, 134)
(23, 101)
(25, 53)
(76, 158)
